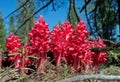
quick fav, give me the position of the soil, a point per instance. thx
(52, 74)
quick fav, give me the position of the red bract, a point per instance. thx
(79, 56)
(59, 40)
(14, 45)
(99, 58)
(67, 44)
(15, 52)
(72, 46)
(39, 41)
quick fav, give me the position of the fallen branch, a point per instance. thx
(86, 77)
(98, 49)
(108, 41)
(112, 46)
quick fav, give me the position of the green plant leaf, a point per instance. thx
(65, 72)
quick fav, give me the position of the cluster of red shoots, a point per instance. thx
(67, 44)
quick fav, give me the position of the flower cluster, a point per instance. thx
(71, 45)
(60, 41)
(67, 44)
(15, 52)
(101, 57)
(39, 41)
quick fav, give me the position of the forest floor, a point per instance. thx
(53, 74)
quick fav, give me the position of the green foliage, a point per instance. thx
(12, 25)
(114, 57)
(2, 32)
(72, 14)
(21, 15)
(104, 16)
(21, 78)
(73, 17)
(65, 72)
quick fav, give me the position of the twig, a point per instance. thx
(86, 14)
(68, 15)
(99, 49)
(44, 6)
(28, 69)
(53, 6)
(7, 72)
(72, 6)
(109, 41)
(17, 8)
(85, 5)
(86, 77)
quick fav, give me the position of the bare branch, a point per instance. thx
(68, 15)
(44, 6)
(17, 8)
(72, 5)
(86, 77)
(53, 6)
(108, 41)
(85, 5)
(86, 14)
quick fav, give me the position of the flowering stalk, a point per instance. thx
(59, 41)
(67, 44)
(39, 42)
(15, 52)
(72, 46)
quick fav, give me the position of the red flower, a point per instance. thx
(15, 52)
(39, 42)
(59, 41)
(71, 45)
(14, 45)
(101, 57)
(67, 44)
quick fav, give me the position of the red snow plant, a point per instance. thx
(67, 44)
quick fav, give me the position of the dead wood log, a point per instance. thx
(95, 76)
